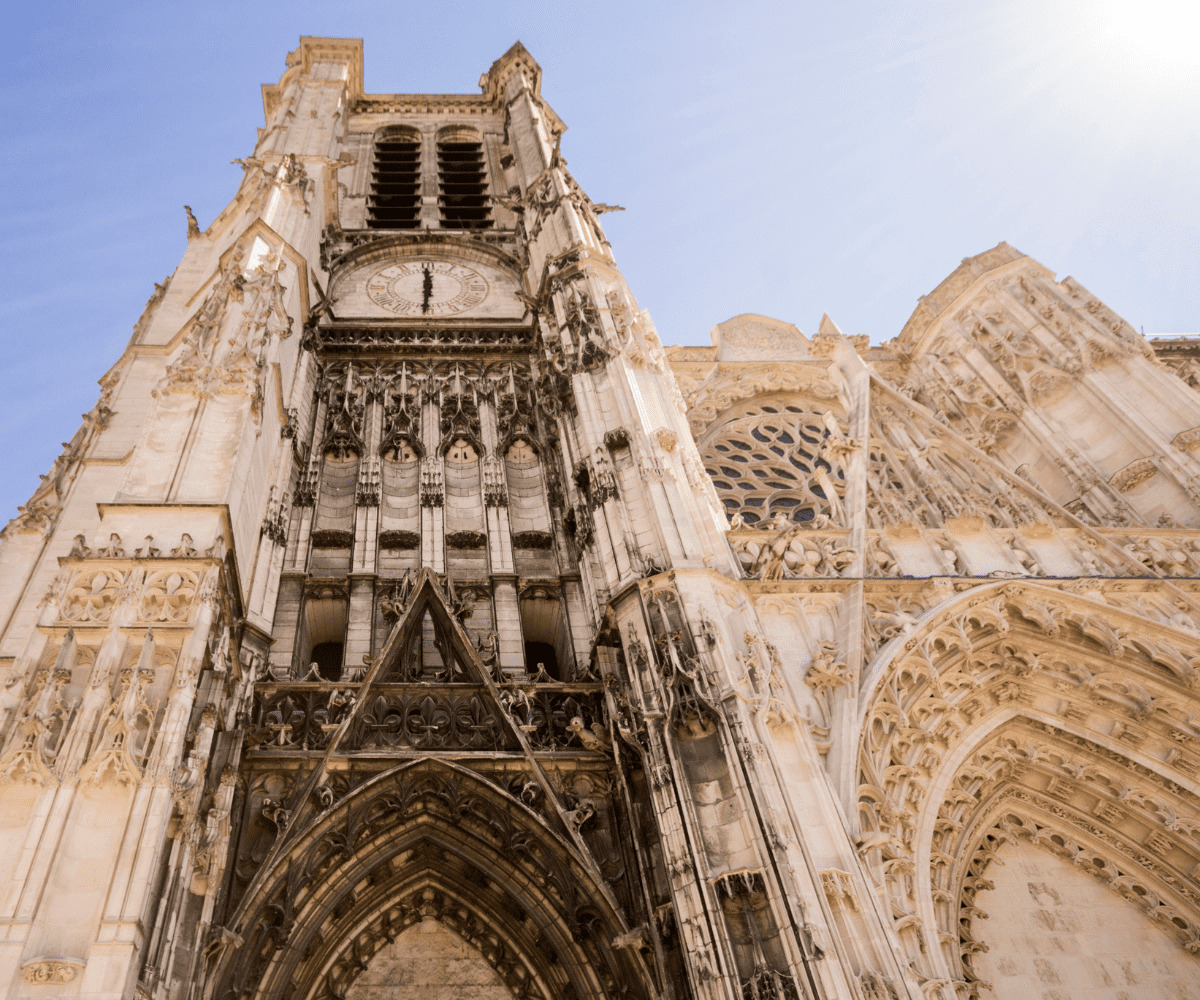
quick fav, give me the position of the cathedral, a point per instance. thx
(406, 620)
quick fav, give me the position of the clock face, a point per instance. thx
(427, 288)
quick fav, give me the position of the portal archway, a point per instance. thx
(1019, 712)
(430, 840)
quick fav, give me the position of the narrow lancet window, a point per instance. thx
(395, 201)
(462, 191)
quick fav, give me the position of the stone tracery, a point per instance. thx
(774, 461)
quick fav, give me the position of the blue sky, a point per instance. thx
(782, 158)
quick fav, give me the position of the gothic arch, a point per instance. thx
(458, 133)
(1041, 712)
(428, 839)
(407, 132)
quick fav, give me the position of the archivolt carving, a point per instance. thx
(429, 837)
(457, 913)
(1055, 708)
(1064, 820)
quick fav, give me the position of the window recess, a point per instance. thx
(395, 201)
(462, 190)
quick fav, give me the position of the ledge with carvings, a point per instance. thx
(338, 243)
(428, 337)
(301, 717)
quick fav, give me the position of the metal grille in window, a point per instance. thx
(395, 201)
(771, 462)
(462, 193)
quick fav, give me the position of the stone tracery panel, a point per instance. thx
(772, 463)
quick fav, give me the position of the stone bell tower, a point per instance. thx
(381, 608)
(405, 617)
(497, 666)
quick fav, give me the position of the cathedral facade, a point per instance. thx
(406, 619)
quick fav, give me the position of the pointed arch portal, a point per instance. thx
(428, 841)
(1023, 718)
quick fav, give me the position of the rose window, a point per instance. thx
(771, 462)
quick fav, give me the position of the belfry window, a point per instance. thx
(546, 634)
(395, 201)
(462, 182)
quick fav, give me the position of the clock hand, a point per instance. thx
(427, 288)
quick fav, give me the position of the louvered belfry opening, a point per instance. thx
(462, 193)
(395, 184)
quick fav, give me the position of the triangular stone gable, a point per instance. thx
(428, 689)
(427, 643)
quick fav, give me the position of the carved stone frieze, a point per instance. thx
(792, 552)
(344, 340)
(50, 972)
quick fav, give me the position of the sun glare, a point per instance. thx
(1155, 29)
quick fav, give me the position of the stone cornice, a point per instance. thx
(422, 104)
(1176, 348)
(493, 98)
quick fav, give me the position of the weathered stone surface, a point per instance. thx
(432, 963)
(1054, 931)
